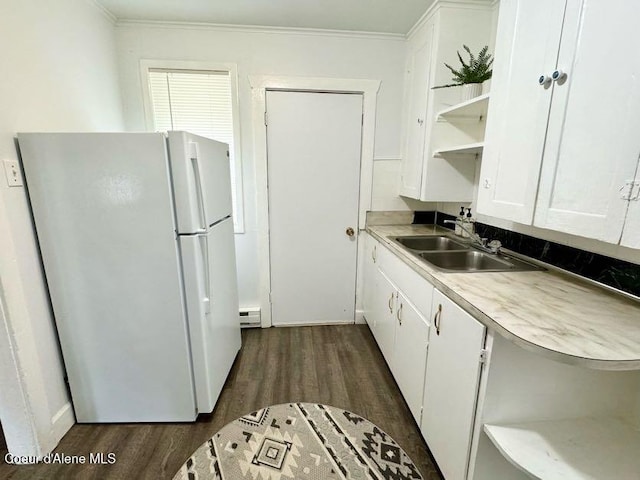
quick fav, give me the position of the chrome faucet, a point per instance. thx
(477, 241)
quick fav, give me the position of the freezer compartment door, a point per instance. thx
(201, 181)
(212, 305)
(103, 212)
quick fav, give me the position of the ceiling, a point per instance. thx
(384, 16)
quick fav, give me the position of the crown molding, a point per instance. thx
(471, 4)
(103, 11)
(124, 23)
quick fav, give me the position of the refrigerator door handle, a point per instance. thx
(204, 259)
(197, 172)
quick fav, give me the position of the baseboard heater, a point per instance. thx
(249, 317)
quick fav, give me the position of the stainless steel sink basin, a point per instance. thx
(475, 261)
(430, 243)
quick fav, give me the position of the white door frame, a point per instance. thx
(259, 86)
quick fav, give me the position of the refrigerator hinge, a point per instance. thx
(484, 356)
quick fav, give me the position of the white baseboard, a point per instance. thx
(316, 324)
(360, 316)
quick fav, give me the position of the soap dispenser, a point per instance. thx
(459, 221)
(469, 226)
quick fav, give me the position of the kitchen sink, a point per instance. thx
(438, 243)
(452, 255)
(475, 261)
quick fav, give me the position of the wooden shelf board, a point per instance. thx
(582, 448)
(476, 107)
(469, 149)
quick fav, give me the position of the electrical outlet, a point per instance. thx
(12, 172)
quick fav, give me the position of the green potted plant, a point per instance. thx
(472, 73)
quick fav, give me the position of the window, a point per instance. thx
(200, 102)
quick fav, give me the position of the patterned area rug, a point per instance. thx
(299, 441)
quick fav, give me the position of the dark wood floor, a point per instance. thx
(334, 365)
(3, 444)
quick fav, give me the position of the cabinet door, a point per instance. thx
(385, 304)
(419, 70)
(369, 279)
(410, 354)
(451, 385)
(592, 142)
(631, 233)
(526, 48)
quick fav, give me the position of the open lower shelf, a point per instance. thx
(468, 149)
(583, 448)
(475, 109)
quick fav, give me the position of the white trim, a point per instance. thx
(103, 11)
(360, 317)
(62, 421)
(315, 324)
(220, 27)
(259, 85)
(15, 403)
(232, 68)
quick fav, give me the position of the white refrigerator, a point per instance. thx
(136, 237)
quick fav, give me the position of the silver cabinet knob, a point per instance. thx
(558, 75)
(544, 80)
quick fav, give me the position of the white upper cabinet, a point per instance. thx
(631, 232)
(419, 66)
(593, 141)
(427, 175)
(561, 146)
(526, 49)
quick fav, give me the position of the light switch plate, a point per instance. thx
(12, 172)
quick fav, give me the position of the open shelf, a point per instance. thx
(468, 149)
(474, 109)
(570, 449)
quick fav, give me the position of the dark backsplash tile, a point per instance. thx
(424, 218)
(610, 271)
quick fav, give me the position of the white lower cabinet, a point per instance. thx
(369, 279)
(384, 311)
(434, 350)
(451, 385)
(410, 353)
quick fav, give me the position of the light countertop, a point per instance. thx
(547, 312)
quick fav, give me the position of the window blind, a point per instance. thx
(199, 102)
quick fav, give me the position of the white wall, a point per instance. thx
(275, 52)
(58, 69)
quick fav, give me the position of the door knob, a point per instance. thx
(350, 232)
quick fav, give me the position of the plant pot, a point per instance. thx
(471, 90)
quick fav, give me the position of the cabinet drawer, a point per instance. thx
(416, 289)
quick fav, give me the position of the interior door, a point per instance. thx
(313, 151)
